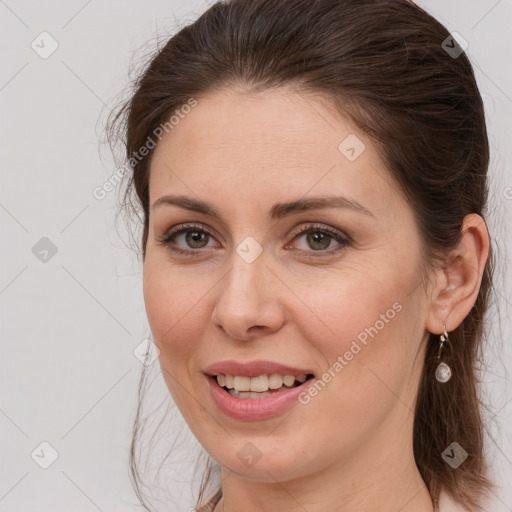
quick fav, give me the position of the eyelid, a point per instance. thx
(181, 228)
(343, 239)
(311, 226)
(338, 236)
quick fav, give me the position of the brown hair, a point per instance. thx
(387, 65)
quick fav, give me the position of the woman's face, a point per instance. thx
(342, 301)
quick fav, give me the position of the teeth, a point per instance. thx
(275, 381)
(289, 380)
(242, 383)
(248, 394)
(260, 384)
(229, 381)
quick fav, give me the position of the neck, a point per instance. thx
(364, 482)
(387, 493)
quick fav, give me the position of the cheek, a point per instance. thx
(173, 307)
(350, 305)
(176, 316)
(367, 363)
(363, 331)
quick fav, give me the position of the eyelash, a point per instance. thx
(344, 241)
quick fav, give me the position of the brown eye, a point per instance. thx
(186, 239)
(318, 241)
(196, 239)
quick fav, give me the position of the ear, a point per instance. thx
(458, 283)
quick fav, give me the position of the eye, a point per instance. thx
(191, 237)
(319, 238)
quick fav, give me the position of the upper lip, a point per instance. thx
(253, 369)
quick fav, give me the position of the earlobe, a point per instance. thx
(459, 281)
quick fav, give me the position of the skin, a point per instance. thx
(350, 447)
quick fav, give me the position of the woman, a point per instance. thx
(312, 176)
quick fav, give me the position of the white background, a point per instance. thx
(69, 326)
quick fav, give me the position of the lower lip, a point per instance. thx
(257, 408)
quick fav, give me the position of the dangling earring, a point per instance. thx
(443, 371)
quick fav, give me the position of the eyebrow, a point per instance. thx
(278, 210)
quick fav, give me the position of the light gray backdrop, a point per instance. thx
(72, 312)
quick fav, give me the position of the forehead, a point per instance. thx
(240, 121)
(276, 143)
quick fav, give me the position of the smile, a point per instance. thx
(249, 405)
(262, 386)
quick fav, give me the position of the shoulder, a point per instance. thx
(447, 504)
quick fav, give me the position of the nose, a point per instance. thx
(247, 305)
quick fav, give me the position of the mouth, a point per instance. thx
(256, 390)
(261, 386)
(237, 396)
